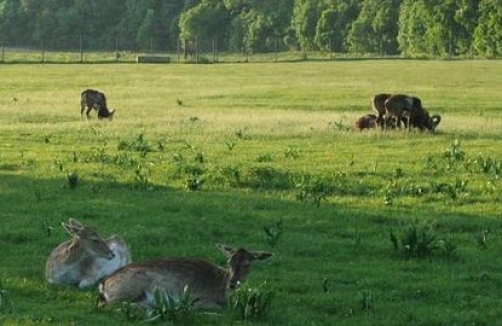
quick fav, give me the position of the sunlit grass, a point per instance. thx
(268, 142)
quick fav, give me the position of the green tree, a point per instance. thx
(488, 32)
(11, 22)
(45, 26)
(442, 29)
(306, 14)
(466, 16)
(146, 31)
(206, 21)
(258, 25)
(412, 28)
(334, 24)
(375, 29)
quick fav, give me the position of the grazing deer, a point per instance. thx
(410, 110)
(93, 99)
(402, 108)
(423, 121)
(86, 258)
(208, 283)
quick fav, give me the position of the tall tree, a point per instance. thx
(466, 16)
(375, 29)
(146, 31)
(488, 32)
(334, 24)
(206, 21)
(306, 14)
(412, 28)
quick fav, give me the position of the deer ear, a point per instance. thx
(262, 255)
(73, 226)
(227, 250)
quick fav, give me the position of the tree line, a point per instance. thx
(411, 28)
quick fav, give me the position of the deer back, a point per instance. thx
(207, 282)
(378, 103)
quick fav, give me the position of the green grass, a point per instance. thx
(259, 144)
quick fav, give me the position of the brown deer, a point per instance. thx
(402, 107)
(208, 283)
(423, 121)
(366, 122)
(93, 99)
(86, 258)
(409, 110)
(378, 105)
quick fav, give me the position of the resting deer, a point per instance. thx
(208, 283)
(366, 122)
(86, 258)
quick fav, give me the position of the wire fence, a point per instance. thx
(187, 51)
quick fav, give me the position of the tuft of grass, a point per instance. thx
(249, 303)
(172, 308)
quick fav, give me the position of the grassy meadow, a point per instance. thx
(368, 228)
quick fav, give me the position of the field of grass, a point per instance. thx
(204, 154)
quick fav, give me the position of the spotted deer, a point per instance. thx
(209, 284)
(86, 258)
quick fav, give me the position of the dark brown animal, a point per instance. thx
(403, 108)
(208, 283)
(93, 99)
(368, 121)
(423, 121)
(378, 105)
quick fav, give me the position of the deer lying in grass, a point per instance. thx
(368, 121)
(86, 258)
(208, 283)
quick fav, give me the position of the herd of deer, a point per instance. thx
(87, 259)
(392, 110)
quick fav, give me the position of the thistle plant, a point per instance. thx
(167, 307)
(274, 232)
(248, 303)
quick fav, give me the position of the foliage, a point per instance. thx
(408, 27)
(249, 303)
(421, 241)
(170, 308)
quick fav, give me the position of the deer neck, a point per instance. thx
(75, 251)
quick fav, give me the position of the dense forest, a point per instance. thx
(411, 28)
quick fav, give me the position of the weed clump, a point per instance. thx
(418, 242)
